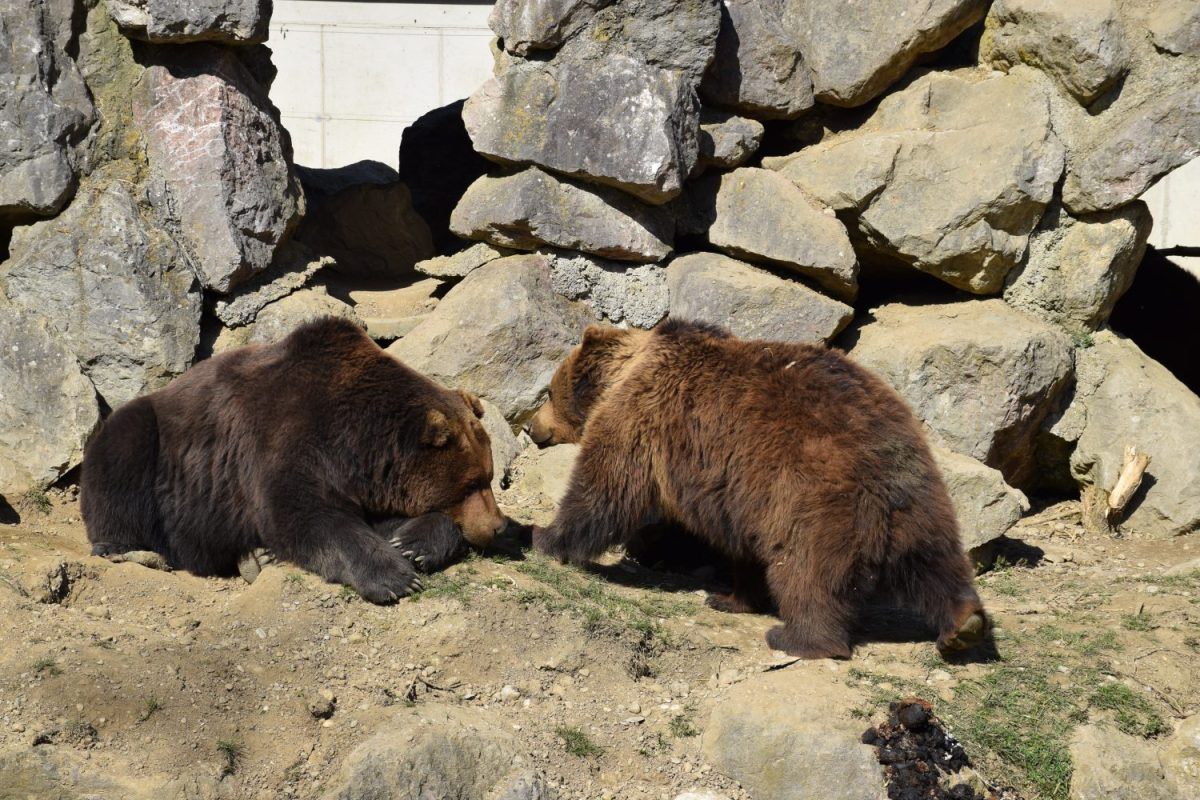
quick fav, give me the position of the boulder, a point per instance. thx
(537, 482)
(50, 771)
(985, 505)
(114, 287)
(1080, 43)
(437, 164)
(279, 318)
(175, 21)
(293, 267)
(47, 406)
(1181, 757)
(534, 208)
(527, 25)
(221, 162)
(1077, 269)
(45, 109)
(1118, 155)
(751, 302)
(437, 751)
(1175, 26)
(993, 133)
(506, 446)
(462, 263)
(758, 69)
(981, 375)
(755, 739)
(761, 216)
(856, 50)
(615, 120)
(1110, 765)
(727, 140)
(617, 293)
(508, 354)
(362, 217)
(1123, 398)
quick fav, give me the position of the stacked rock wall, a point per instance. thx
(950, 193)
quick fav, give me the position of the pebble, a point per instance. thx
(99, 612)
(508, 693)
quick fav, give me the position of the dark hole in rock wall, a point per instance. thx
(1159, 314)
(963, 51)
(5, 238)
(438, 163)
(8, 514)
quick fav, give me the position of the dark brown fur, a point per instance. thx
(794, 461)
(294, 447)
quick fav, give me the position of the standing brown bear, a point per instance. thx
(296, 447)
(791, 459)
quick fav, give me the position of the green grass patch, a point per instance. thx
(149, 709)
(46, 666)
(682, 727)
(1138, 622)
(1132, 712)
(456, 585)
(232, 752)
(37, 500)
(577, 743)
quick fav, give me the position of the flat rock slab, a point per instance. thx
(391, 313)
(279, 318)
(293, 267)
(985, 142)
(760, 216)
(500, 333)
(177, 21)
(47, 405)
(1124, 398)
(216, 146)
(462, 263)
(113, 285)
(981, 375)
(533, 208)
(857, 49)
(752, 302)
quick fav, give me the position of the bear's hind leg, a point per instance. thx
(936, 582)
(117, 497)
(816, 620)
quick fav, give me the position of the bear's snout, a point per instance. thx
(480, 518)
(547, 429)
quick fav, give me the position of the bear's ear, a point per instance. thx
(437, 429)
(597, 334)
(472, 403)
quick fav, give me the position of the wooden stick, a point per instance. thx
(1133, 467)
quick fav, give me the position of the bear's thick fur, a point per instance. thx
(296, 447)
(806, 470)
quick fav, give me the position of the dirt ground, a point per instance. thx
(223, 688)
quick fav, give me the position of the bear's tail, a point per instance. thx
(117, 494)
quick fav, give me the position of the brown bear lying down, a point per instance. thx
(293, 447)
(794, 461)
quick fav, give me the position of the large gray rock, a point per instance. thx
(1080, 43)
(727, 140)
(1110, 765)
(617, 293)
(1118, 155)
(761, 216)
(1175, 26)
(362, 216)
(793, 750)
(227, 21)
(679, 37)
(44, 107)
(985, 505)
(1123, 398)
(113, 285)
(527, 25)
(615, 121)
(222, 162)
(1077, 269)
(985, 142)
(752, 302)
(856, 50)
(758, 69)
(981, 375)
(47, 406)
(534, 208)
(436, 751)
(501, 333)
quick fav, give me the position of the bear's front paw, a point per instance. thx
(430, 542)
(388, 588)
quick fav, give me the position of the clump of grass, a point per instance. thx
(1132, 712)
(149, 708)
(38, 500)
(577, 743)
(681, 726)
(1138, 622)
(294, 579)
(232, 751)
(457, 585)
(347, 593)
(46, 665)
(1082, 340)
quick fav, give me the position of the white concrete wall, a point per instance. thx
(352, 75)
(1175, 205)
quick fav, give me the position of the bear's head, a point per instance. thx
(454, 469)
(580, 381)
